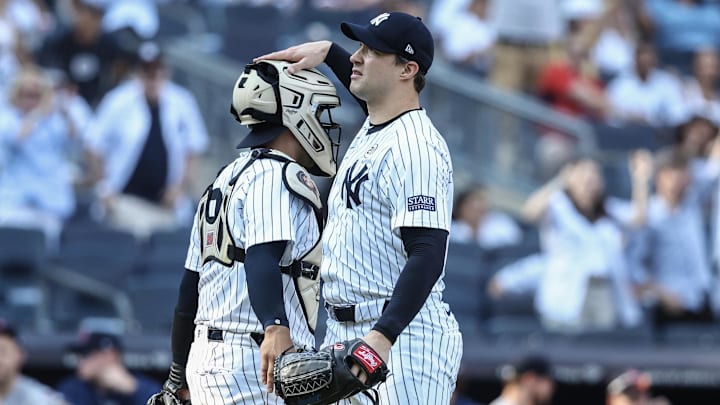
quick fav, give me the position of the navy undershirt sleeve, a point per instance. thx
(338, 59)
(425, 248)
(184, 318)
(264, 282)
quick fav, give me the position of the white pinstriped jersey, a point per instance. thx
(397, 176)
(260, 210)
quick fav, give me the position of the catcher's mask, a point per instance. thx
(270, 99)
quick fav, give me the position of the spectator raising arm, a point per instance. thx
(537, 204)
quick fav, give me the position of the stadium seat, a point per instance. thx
(23, 255)
(691, 334)
(629, 137)
(165, 251)
(98, 252)
(637, 336)
(512, 305)
(465, 279)
(514, 329)
(153, 298)
(499, 257)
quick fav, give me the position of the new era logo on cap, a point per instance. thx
(409, 49)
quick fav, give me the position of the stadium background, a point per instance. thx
(103, 278)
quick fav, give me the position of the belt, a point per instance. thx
(216, 335)
(345, 313)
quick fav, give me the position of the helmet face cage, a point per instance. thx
(304, 98)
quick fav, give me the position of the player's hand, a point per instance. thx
(378, 342)
(277, 340)
(304, 56)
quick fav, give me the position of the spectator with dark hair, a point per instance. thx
(684, 25)
(146, 139)
(647, 95)
(84, 51)
(15, 388)
(694, 138)
(585, 285)
(677, 275)
(632, 388)
(474, 222)
(700, 91)
(529, 381)
(102, 378)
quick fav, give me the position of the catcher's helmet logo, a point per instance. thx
(352, 186)
(379, 19)
(339, 346)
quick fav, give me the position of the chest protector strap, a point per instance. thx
(217, 243)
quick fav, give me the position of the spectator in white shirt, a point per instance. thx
(146, 139)
(585, 285)
(469, 39)
(474, 221)
(700, 91)
(646, 95)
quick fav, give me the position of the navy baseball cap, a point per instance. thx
(7, 330)
(396, 33)
(95, 341)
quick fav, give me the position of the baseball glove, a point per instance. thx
(324, 377)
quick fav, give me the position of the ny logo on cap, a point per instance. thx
(379, 19)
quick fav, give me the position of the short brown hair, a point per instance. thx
(419, 80)
(671, 158)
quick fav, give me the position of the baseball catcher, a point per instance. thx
(325, 377)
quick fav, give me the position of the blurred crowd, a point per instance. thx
(605, 262)
(88, 106)
(90, 114)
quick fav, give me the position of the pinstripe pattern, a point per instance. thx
(260, 210)
(424, 361)
(374, 194)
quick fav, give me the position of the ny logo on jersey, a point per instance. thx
(379, 19)
(352, 185)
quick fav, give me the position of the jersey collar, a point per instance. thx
(375, 128)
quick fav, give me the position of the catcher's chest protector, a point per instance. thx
(218, 244)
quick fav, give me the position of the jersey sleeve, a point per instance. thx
(420, 183)
(193, 260)
(267, 209)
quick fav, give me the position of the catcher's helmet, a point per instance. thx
(267, 98)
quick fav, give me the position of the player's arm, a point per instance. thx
(313, 54)
(425, 249)
(265, 288)
(183, 328)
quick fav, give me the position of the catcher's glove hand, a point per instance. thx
(324, 377)
(169, 395)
